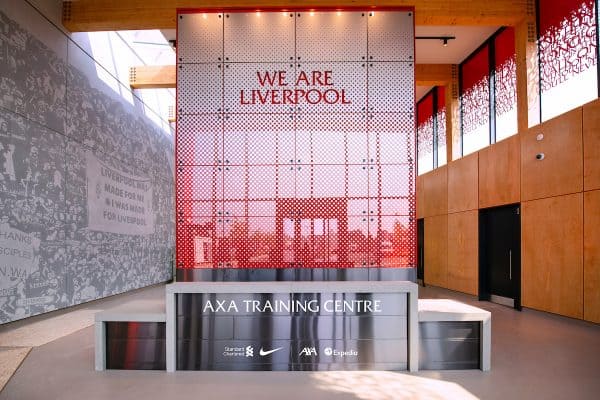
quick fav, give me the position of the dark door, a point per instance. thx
(500, 255)
(421, 251)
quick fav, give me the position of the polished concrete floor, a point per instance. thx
(534, 356)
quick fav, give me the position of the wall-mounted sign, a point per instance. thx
(275, 89)
(299, 331)
(296, 139)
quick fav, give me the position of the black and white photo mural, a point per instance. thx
(86, 180)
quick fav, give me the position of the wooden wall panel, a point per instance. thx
(552, 254)
(435, 195)
(463, 252)
(436, 251)
(561, 171)
(462, 184)
(591, 145)
(591, 256)
(499, 173)
(420, 193)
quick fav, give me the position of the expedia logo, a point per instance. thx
(333, 352)
(308, 351)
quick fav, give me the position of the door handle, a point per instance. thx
(510, 264)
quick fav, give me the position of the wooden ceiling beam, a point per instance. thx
(433, 74)
(114, 15)
(152, 77)
(163, 76)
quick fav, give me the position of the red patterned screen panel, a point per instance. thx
(431, 130)
(425, 132)
(295, 143)
(475, 101)
(505, 83)
(441, 125)
(568, 54)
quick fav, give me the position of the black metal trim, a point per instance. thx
(460, 108)
(492, 87)
(435, 37)
(517, 255)
(484, 291)
(435, 126)
(597, 47)
(421, 256)
(539, 59)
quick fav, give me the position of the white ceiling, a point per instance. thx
(422, 91)
(468, 38)
(428, 51)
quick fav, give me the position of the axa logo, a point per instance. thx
(308, 351)
(249, 351)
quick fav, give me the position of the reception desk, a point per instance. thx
(293, 326)
(306, 326)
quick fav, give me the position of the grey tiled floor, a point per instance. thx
(534, 356)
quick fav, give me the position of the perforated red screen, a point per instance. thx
(300, 153)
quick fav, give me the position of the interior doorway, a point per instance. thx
(421, 251)
(500, 255)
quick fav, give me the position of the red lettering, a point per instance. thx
(242, 101)
(317, 100)
(316, 78)
(263, 100)
(334, 100)
(287, 96)
(275, 97)
(302, 77)
(344, 100)
(328, 78)
(299, 93)
(266, 78)
(282, 81)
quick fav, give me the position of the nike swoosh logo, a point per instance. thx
(266, 353)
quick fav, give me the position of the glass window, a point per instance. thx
(431, 130)
(568, 55)
(425, 134)
(505, 84)
(441, 125)
(475, 101)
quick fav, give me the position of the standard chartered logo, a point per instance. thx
(238, 351)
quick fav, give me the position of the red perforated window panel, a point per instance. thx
(441, 125)
(425, 133)
(568, 54)
(475, 101)
(505, 83)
